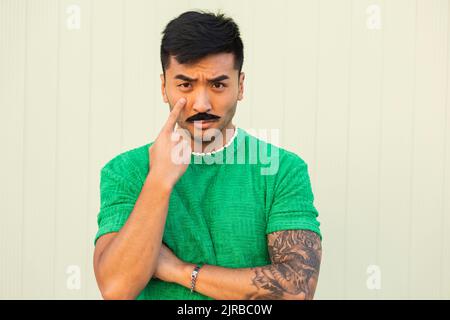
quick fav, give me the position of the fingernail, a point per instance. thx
(183, 100)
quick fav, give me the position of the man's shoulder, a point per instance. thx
(290, 164)
(134, 161)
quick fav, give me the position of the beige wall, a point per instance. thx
(364, 101)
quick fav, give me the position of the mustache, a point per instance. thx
(202, 117)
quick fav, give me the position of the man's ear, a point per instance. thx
(241, 86)
(163, 88)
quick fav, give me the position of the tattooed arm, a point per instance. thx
(293, 274)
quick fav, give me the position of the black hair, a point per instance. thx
(194, 35)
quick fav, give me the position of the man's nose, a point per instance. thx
(201, 103)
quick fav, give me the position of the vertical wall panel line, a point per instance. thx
(57, 98)
(89, 192)
(316, 111)
(283, 128)
(122, 102)
(252, 69)
(411, 174)
(380, 137)
(24, 135)
(444, 175)
(347, 148)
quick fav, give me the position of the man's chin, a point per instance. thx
(206, 136)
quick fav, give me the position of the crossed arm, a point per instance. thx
(293, 273)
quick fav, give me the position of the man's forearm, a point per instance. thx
(129, 261)
(269, 282)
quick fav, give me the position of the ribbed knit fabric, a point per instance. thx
(219, 213)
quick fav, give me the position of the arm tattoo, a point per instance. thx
(294, 271)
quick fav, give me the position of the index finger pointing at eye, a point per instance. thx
(173, 116)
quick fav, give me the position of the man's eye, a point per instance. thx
(218, 85)
(184, 85)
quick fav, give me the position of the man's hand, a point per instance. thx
(168, 266)
(125, 261)
(163, 162)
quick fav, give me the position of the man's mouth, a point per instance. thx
(203, 124)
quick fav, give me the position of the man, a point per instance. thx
(197, 223)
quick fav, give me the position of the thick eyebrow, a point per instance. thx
(219, 78)
(188, 79)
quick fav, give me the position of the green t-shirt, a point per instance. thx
(220, 210)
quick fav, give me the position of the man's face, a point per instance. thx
(211, 86)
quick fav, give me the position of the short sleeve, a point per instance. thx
(118, 195)
(293, 201)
